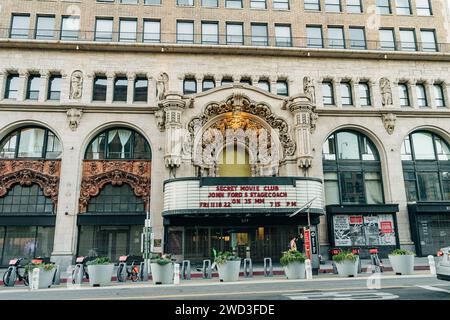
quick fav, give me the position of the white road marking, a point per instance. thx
(348, 295)
(434, 289)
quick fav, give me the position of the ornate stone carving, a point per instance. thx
(309, 89)
(389, 120)
(44, 173)
(73, 117)
(162, 86)
(314, 118)
(76, 85)
(98, 173)
(244, 104)
(386, 92)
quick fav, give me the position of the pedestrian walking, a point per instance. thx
(293, 243)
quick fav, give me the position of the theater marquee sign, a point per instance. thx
(246, 194)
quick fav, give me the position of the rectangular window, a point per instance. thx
(152, 2)
(421, 95)
(99, 88)
(127, 30)
(259, 35)
(185, 2)
(384, 7)
(374, 189)
(281, 4)
(140, 89)
(333, 5)
(410, 185)
(346, 94)
(258, 4)
(70, 28)
(352, 187)
(12, 86)
(120, 89)
(264, 85)
(282, 88)
(403, 95)
(246, 81)
(129, 1)
(429, 187)
(20, 26)
(408, 40)
(364, 94)
(327, 92)
(387, 40)
(357, 38)
(283, 36)
(233, 3)
(45, 27)
(445, 178)
(226, 81)
(210, 32)
(439, 95)
(235, 33)
(103, 29)
(354, 6)
(210, 3)
(331, 188)
(54, 87)
(428, 40)
(403, 7)
(314, 37)
(312, 5)
(336, 38)
(423, 8)
(185, 32)
(34, 82)
(152, 31)
(208, 84)
(189, 86)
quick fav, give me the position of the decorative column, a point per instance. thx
(23, 78)
(354, 83)
(395, 93)
(446, 89)
(319, 93)
(151, 90)
(430, 93)
(43, 85)
(199, 79)
(88, 88)
(218, 80)
(110, 87)
(273, 85)
(130, 89)
(375, 95)
(337, 92)
(412, 92)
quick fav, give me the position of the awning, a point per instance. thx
(31, 220)
(362, 209)
(429, 207)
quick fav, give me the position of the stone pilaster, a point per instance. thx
(412, 92)
(130, 89)
(354, 83)
(65, 87)
(110, 87)
(337, 92)
(43, 85)
(23, 79)
(151, 90)
(88, 88)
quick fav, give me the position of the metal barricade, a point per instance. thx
(186, 270)
(268, 269)
(206, 269)
(248, 268)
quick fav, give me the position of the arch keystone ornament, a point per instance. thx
(389, 120)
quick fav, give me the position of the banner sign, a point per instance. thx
(307, 237)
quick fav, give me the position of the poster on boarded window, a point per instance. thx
(342, 230)
(387, 232)
(371, 230)
(357, 230)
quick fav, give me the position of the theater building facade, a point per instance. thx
(222, 143)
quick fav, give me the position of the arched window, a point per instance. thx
(118, 143)
(30, 142)
(426, 167)
(352, 170)
(116, 199)
(25, 200)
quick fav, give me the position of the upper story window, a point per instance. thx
(422, 100)
(210, 3)
(20, 26)
(281, 4)
(283, 36)
(354, 6)
(423, 8)
(210, 32)
(246, 80)
(185, 2)
(31, 142)
(45, 27)
(259, 34)
(226, 80)
(140, 89)
(258, 4)
(99, 88)
(264, 85)
(152, 2)
(408, 40)
(118, 143)
(387, 40)
(189, 86)
(233, 3)
(403, 7)
(129, 1)
(439, 99)
(235, 33)
(54, 87)
(403, 94)
(346, 94)
(364, 94)
(127, 30)
(34, 82)
(312, 5)
(327, 93)
(384, 7)
(120, 89)
(12, 86)
(357, 38)
(426, 161)
(70, 28)
(185, 32)
(333, 5)
(282, 88)
(208, 84)
(336, 37)
(428, 40)
(314, 36)
(152, 31)
(104, 29)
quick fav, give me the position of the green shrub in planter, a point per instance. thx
(99, 261)
(292, 256)
(162, 261)
(402, 261)
(294, 264)
(45, 266)
(402, 252)
(345, 256)
(47, 271)
(223, 257)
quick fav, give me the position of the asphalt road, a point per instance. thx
(365, 287)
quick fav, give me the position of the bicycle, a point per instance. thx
(375, 261)
(132, 273)
(80, 270)
(13, 273)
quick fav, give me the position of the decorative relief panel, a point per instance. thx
(98, 173)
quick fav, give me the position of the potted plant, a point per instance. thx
(162, 269)
(100, 271)
(228, 266)
(402, 261)
(294, 264)
(46, 274)
(346, 263)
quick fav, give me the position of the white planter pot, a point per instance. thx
(45, 278)
(229, 271)
(295, 270)
(402, 264)
(162, 274)
(348, 268)
(100, 274)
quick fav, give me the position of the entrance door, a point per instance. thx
(240, 241)
(113, 242)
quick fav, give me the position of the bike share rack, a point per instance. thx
(206, 269)
(268, 269)
(248, 268)
(186, 270)
(143, 273)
